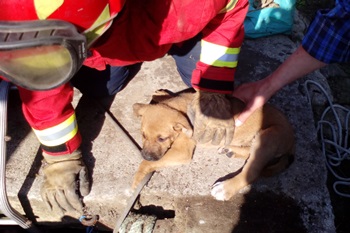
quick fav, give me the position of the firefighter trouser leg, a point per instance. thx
(103, 83)
(186, 56)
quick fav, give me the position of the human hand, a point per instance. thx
(254, 95)
(212, 119)
(60, 190)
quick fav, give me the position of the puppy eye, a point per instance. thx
(161, 139)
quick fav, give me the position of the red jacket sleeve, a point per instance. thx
(220, 47)
(146, 30)
(52, 117)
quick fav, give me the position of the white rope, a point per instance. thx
(333, 130)
(137, 223)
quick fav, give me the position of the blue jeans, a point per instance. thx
(113, 79)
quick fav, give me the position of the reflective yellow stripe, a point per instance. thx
(45, 8)
(229, 6)
(218, 55)
(101, 25)
(58, 134)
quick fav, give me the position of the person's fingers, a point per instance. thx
(245, 114)
(84, 182)
(219, 135)
(45, 198)
(73, 198)
(55, 207)
(191, 114)
(250, 108)
(207, 136)
(229, 135)
(197, 134)
(62, 201)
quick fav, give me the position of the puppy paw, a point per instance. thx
(137, 180)
(227, 151)
(134, 186)
(161, 92)
(219, 192)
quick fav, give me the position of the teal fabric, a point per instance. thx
(269, 21)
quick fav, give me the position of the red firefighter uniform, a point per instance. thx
(143, 30)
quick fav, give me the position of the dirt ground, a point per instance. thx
(268, 217)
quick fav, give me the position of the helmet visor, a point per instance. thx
(44, 62)
(41, 67)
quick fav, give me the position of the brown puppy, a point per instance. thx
(265, 140)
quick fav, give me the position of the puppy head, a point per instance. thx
(160, 126)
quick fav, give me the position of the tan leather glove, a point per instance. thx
(212, 118)
(65, 181)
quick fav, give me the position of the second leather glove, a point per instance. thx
(212, 118)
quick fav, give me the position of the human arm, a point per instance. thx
(52, 118)
(326, 41)
(256, 94)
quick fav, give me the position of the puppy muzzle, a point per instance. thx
(150, 156)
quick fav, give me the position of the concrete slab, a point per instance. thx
(295, 201)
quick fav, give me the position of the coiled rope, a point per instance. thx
(333, 131)
(137, 223)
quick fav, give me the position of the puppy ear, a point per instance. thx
(186, 129)
(161, 95)
(139, 109)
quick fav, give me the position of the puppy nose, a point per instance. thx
(148, 156)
